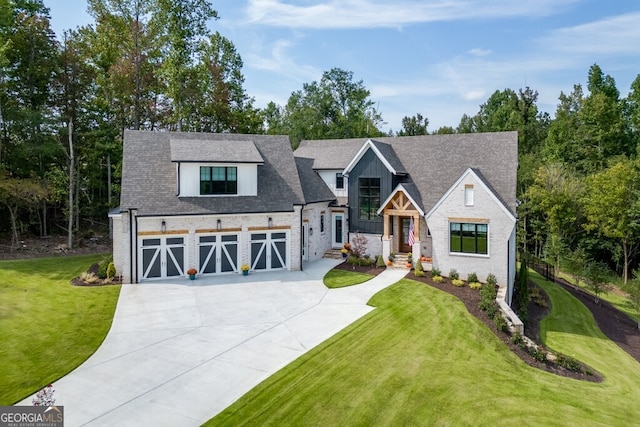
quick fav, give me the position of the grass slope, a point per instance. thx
(341, 278)
(47, 326)
(422, 359)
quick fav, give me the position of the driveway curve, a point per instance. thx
(180, 352)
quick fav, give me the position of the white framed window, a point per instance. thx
(468, 195)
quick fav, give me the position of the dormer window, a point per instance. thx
(218, 180)
(339, 181)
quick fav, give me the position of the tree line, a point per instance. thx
(65, 101)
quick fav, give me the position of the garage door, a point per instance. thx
(269, 250)
(218, 253)
(162, 257)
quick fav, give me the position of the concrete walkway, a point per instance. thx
(180, 352)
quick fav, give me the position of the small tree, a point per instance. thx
(575, 264)
(418, 270)
(632, 288)
(358, 245)
(597, 279)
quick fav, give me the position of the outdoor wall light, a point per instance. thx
(163, 226)
(219, 225)
(270, 222)
(311, 231)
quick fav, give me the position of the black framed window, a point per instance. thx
(218, 180)
(368, 197)
(322, 222)
(339, 181)
(468, 238)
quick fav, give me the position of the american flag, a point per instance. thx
(412, 238)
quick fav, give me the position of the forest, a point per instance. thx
(66, 99)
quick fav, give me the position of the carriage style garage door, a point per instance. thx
(269, 250)
(162, 257)
(218, 253)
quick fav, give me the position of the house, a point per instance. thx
(216, 201)
(450, 198)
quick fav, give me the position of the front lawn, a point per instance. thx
(47, 326)
(336, 278)
(421, 359)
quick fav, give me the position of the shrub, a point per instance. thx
(457, 282)
(104, 264)
(569, 363)
(380, 261)
(353, 260)
(501, 323)
(437, 279)
(472, 277)
(89, 278)
(453, 274)
(518, 340)
(111, 270)
(539, 355)
(475, 285)
(491, 279)
(418, 273)
(419, 267)
(367, 262)
(492, 310)
(487, 296)
(435, 272)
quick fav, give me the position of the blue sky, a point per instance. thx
(441, 58)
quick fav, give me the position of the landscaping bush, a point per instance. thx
(491, 279)
(487, 297)
(111, 270)
(453, 275)
(457, 282)
(89, 278)
(418, 270)
(569, 363)
(380, 261)
(501, 323)
(104, 264)
(472, 277)
(358, 245)
(435, 272)
(475, 285)
(518, 340)
(437, 279)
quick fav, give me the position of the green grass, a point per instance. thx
(341, 278)
(47, 326)
(421, 359)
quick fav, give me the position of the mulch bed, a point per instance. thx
(373, 270)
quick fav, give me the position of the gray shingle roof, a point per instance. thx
(330, 153)
(314, 187)
(149, 177)
(435, 162)
(221, 151)
(389, 153)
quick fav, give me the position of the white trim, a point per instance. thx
(484, 186)
(399, 188)
(368, 144)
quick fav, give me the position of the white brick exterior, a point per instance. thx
(500, 259)
(319, 241)
(191, 226)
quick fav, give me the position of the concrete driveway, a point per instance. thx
(180, 352)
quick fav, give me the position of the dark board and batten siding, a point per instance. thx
(369, 166)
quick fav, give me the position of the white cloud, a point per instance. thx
(610, 36)
(280, 62)
(480, 52)
(377, 13)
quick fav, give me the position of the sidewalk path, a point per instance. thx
(179, 353)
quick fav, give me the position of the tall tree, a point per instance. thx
(184, 25)
(334, 107)
(612, 207)
(414, 125)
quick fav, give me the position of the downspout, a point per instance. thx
(131, 244)
(302, 238)
(136, 248)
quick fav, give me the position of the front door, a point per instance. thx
(337, 230)
(405, 225)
